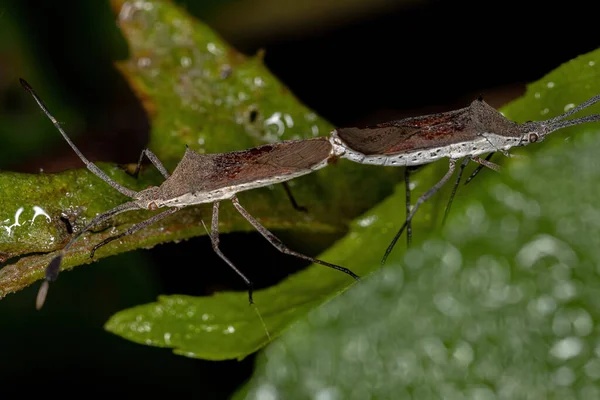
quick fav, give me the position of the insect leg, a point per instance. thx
(134, 228)
(53, 267)
(424, 197)
(408, 205)
(454, 188)
(214, 238)
(486, 163)
(278, 244)
(154, 160)
(478, 169)
(292, 200)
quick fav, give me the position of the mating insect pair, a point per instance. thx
(210, 178)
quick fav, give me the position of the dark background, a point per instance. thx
(353, 68)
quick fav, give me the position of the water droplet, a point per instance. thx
(537, 95)
(206, 317)
(17, 223)
(186, 62)
(448, 305)
(543, 305)
(565, 290)
(550, 85)
(288, 120)
(569, 106)
(477, 218)
(167, 338)
(435, 349)
(356, 348)
(543, 246)
(329, 393)
(463, 354)
(229, 330)
(451, 259)
(144, 62)
(366, 221)
(591, 63)
(40, 211)
(266, 391)
(314, 130)
(311, 117)
(564, 376)
(545, 111)
(211, 47)
(258, 81)
(275, 121)
(592, 368)
(567, 348)
(126, 11)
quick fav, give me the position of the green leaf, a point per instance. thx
(504, 302)
(198, 92)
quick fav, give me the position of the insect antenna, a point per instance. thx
(572, 111)
(90, 165)
(53, 267)
(571, 122)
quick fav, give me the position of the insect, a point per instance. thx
(204, 178)
(464, 134)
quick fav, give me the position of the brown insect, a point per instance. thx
(204, 178)
(465, 134)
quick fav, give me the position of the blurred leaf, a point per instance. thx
(201, 93)
(502, 304)
(19, 133)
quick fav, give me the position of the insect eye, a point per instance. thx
(533, 137)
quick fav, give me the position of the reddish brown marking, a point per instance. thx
(258, 151)
(332, 159)
(152, 206)
(206, 172)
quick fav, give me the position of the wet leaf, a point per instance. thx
(502, 303)
(493, 218)
(198, 92)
